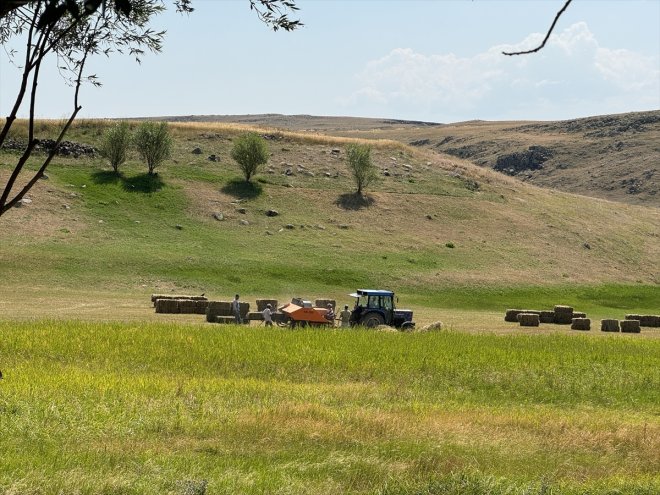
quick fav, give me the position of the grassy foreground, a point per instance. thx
(165, 408)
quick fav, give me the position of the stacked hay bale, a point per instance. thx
(200, 307)
(220, 312)
(323, 303)
(170, 306)
(547, 316)
(155, 297)
(563, 315)
(652, 321)
(529, 319)
(579, 315)
(609, 325)
(187, 306)
(581, 324)
(262, 303)
(512, 314)
(630, 326)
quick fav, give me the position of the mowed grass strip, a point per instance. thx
(165, 408)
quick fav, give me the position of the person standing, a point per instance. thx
(345, 317)
(330, 315)
(236, 309)
(268, 315)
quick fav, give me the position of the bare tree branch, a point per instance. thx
(547, 36)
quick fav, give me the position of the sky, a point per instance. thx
(430, 60)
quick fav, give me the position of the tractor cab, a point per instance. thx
(376, 307)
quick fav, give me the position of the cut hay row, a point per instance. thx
(652, 321)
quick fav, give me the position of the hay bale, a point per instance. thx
(169, 306)
(200, 307)
(176, 296)
(512, 315)
(649, 321)
(261, 304)
(579, 315)
(255, 315)
(187, 306)
(563, 315)
(581, 324)
(631, 326)
(436, 326)
(633, 317)
(609, 325)
(529, 319)
(547, 317)
(323, 303)
(217, 308)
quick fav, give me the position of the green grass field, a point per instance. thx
(167, 408)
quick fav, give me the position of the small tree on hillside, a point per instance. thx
(249, 151)
(360, 165)
(154, 143)
(115, 144)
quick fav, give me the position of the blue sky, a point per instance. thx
(434, 60)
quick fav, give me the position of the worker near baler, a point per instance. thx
(268, 315)
(345, 317)
(236, 309)
(330, 314)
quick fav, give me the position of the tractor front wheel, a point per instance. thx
(371, 320)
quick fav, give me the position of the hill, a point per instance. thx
(441, 231)
(614, 157)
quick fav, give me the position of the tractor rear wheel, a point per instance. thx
(371, 320)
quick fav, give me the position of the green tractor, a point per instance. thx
(376, 307)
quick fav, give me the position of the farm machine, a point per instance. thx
(376, 307)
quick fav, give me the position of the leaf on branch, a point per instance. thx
(52, 13)
(123, 6)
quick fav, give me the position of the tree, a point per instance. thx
(360, 165)
(71, 31)
(154, 143)
(115, 144)
(249, 151)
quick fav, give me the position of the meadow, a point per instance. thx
(91, 407)
(101, 395)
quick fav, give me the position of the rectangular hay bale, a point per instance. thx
(630, 326)
(529, 319)
(547, 316)
(649, 321)
(261, 304)
(200, 307)
(609, 325)
(563, 315)
(167, 306)
(187, 306)
(323, 303)
(581, 324)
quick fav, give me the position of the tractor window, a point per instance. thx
(373, 302)
(386, 302)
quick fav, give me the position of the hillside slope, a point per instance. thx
(615, 157)
(429, 226)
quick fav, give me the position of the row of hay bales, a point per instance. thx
(561, 315)
(179, 304)
(565, 315)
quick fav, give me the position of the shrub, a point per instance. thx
(360, 165)
(249, 151)
(154, 143)
(115, 143)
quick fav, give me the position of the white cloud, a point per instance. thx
(572, 76)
